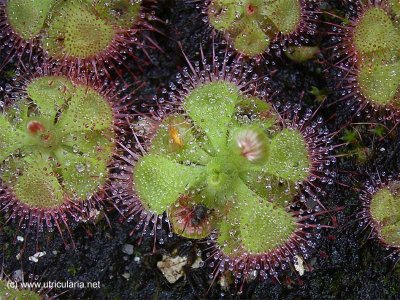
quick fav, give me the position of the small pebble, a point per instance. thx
(127, 249)
(18, 275)
(34, 259)
(197, 263)
(298, 265)
(172, 267)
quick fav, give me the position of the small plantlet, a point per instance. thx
(355, 145)
(224, 163)
(370, 61)
(87, 35)
(381, 211)
(253, 25)
(57, 141)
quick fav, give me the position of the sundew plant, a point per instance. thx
(380, 211)
(370, 55)
(58, 138)
(81, 36)
(225, 164)
(252, 26)
(190, 149)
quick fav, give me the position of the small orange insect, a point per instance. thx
(175, 135)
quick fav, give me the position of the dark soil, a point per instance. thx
(344, 265)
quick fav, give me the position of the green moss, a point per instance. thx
(60, 139)
(246, 180)
(350, 136)
(379, 130)
(252, 24)
(320, 94)
(28, 17)
(355, 146)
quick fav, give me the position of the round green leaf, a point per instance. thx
(175, 139)
(263, 226)
(375, 33)
(223, 13)
(27, 17)
(253, 225)
(38, 185)
(289, 157)
(121, 13)
(391, 234)
(82, 175)
(269, 187)
(50, 93)
(10, 138)
(159, 182)
(211, 107)
(285, 14)
(379, 82)
(384, 207)
(76, 31)
(95, 144)
(395, 6)
(87, 110)
(252, 40)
